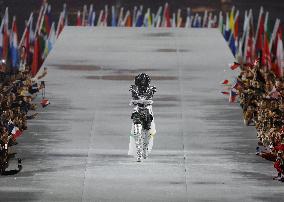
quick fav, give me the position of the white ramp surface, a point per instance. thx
(77, 149)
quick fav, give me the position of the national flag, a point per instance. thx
(259, 32)
(279, 55)
(90, 15)
(188, 22)
(233, 96)
(149, 20)
(236, 26)
(236, 84)
(45, 27)
(266, 57)
(36, 55)
(227, 31)
(113, 17)
(79, 20)
(225, 93)
(60, 24)
(50, 41)
(26, 40)
(249, 50)
(84, 15)
(232, 19)
(234, 66)
(128, 22)
(5, 47)
(93, 19)
(14, 45)
(166, 16)
(139, 21)
(232, 45)
(44, 102)
(225, 82)
(16, 132)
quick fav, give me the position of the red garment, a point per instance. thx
(277, 165)
(279, 147)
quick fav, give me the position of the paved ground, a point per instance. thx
(77, 148)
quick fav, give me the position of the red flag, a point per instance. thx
(266, 57)
(235, 66)
(79, 20)
(35, 64)
(5, 42)
(167, 17)
(236, 27)
(225, 82)
(44, 102)
(16, 132)
(249, 48)
(225, 93)
(260, 35)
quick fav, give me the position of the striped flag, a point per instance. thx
(233, 95)
(14, 45)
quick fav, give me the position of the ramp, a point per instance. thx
(77, 149)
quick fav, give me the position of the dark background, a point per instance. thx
(22, 8)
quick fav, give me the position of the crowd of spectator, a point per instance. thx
(261, 94)
(18, 89)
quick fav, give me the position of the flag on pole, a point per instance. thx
(36, 55)
(232, 19)
(235, 66)
(259, 32)
(5, 46)
(233, 95)
(139, 21)
(60, 24)
(225, 93)
(14, 45)
(166, 16)
(227, 31)
(188, 22)
(279, 55)
(113, 17)
(90, 15)
(79, 20)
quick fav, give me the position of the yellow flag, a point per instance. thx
(232, 20)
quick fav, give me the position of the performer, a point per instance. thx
(143, 125)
